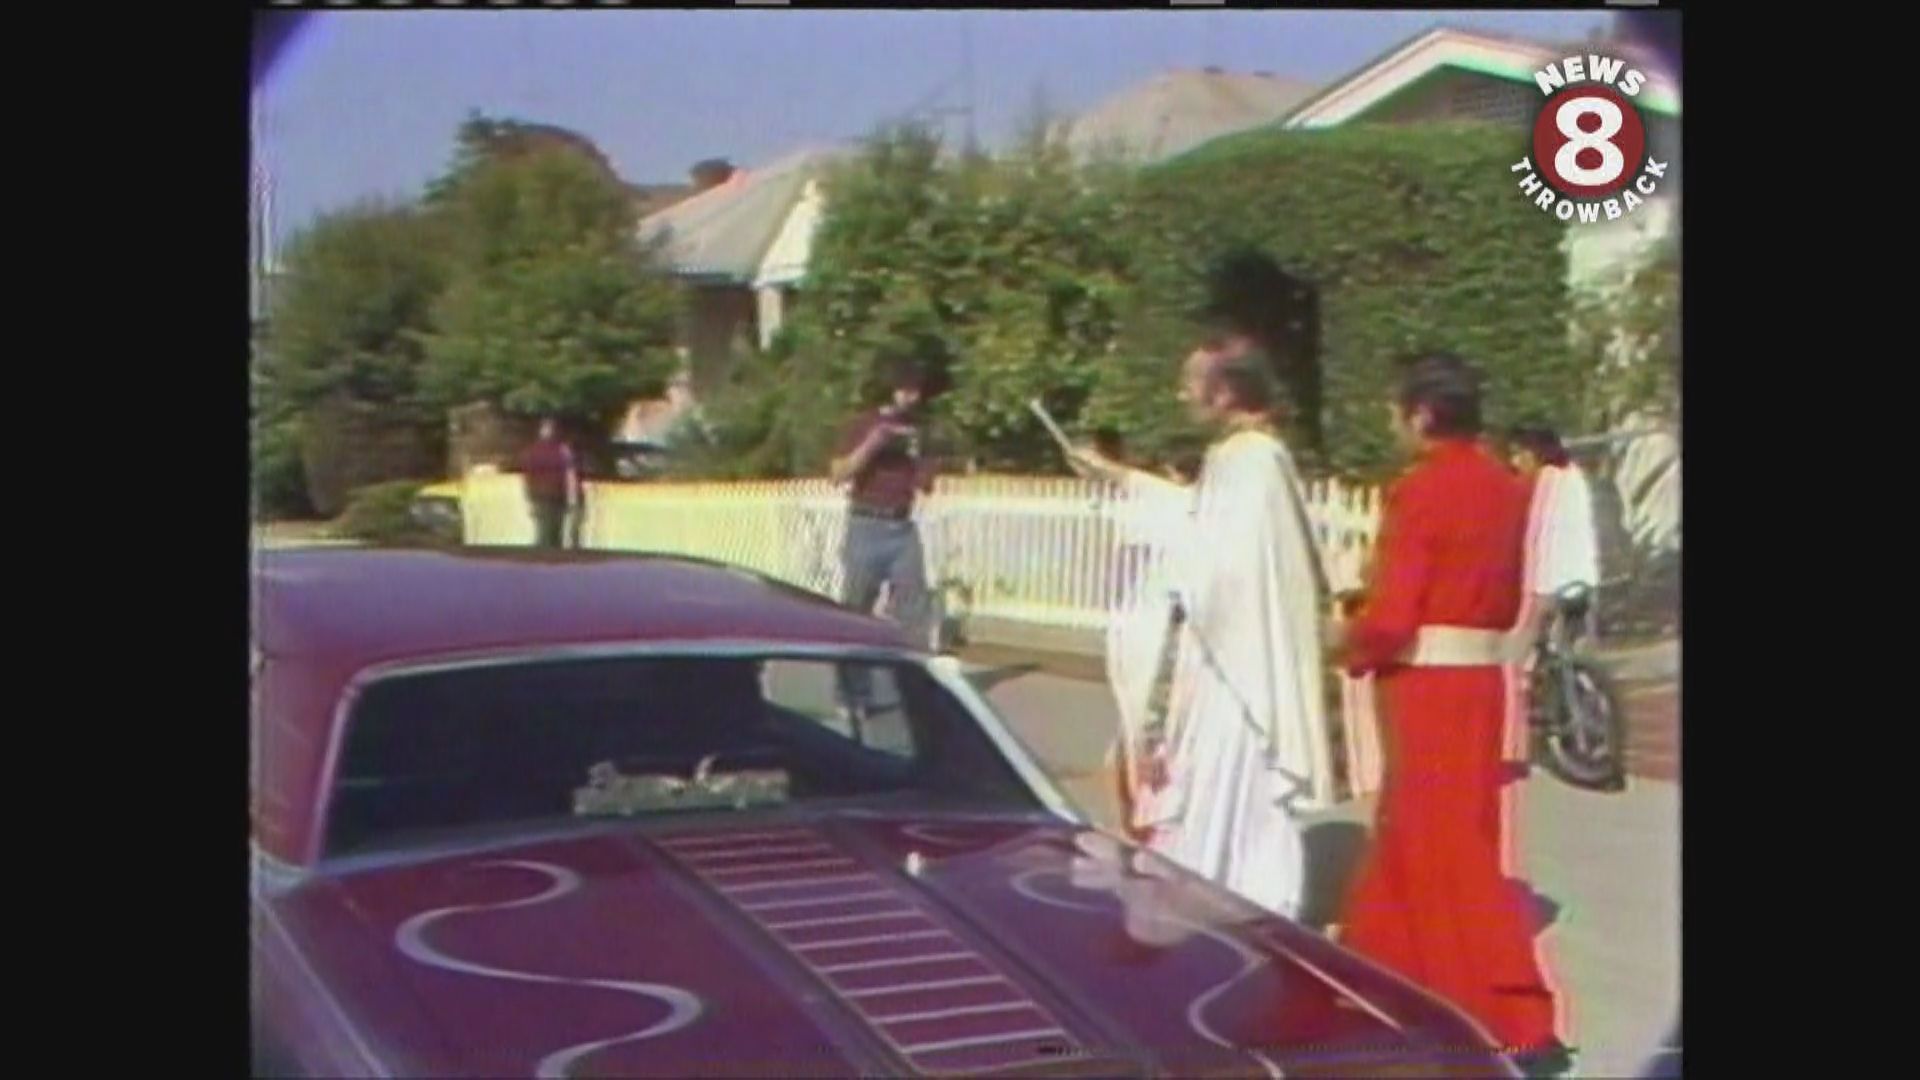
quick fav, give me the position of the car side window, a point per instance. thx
(816, 690)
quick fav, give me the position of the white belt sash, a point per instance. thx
(1464, 646)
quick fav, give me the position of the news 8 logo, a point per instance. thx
(1589, 156)
(1589, 142)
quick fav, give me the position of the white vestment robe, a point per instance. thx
(1245, 729)
(1563, 548)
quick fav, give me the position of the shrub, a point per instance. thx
(347, 444)
(279, 479)
(1002, 275)
(383, 514)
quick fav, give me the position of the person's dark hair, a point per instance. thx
(1542, 442)
(1447, 387)
(901, 371)
(1248, 375)
(1109, 442)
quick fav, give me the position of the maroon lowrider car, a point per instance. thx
(579, 815)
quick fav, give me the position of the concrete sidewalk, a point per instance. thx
(1657, 662)
(1606, 868)
(1078, 654)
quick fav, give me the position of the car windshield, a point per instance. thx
(525, 744)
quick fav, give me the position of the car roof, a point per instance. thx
(354, 607)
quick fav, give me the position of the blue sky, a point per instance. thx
(366, 103)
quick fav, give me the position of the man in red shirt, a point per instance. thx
(1433, 901)
(552, 483)
(881, 458)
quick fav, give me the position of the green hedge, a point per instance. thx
(1027, 277)
(1415, 238)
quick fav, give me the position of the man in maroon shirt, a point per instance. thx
(552, 483)
(880, 457)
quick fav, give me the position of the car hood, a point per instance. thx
(845, 943)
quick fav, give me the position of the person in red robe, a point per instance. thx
(1433, 901)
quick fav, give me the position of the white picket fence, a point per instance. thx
(1040, 551)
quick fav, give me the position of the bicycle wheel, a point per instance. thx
(1585, 737)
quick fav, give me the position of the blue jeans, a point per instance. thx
(879, 551)
(549, 524)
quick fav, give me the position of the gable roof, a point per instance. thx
(652, 198)
(724, 234)
(1178, 110)
(1496, 56)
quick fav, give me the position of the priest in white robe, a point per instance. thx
(1217, 668)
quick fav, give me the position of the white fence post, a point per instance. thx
(1038, 550)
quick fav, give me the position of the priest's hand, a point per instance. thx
(1333, 635)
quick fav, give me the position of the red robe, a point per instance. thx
(1433, 902)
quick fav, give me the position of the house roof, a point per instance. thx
(1497, 56)
(652, 198)
(1178, 110)
(724, 234)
